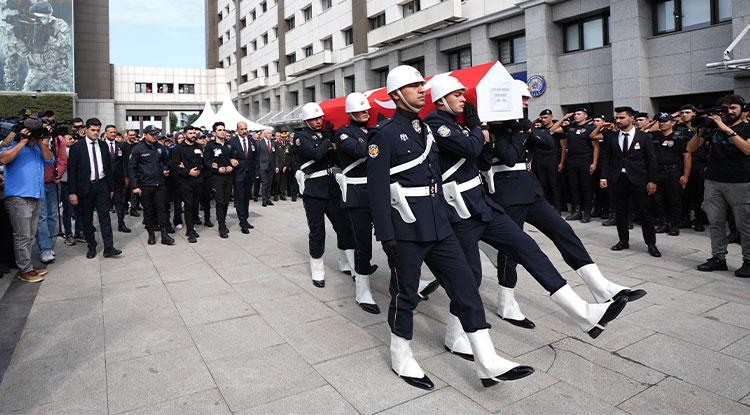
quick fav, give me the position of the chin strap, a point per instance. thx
(447, 107)
(412, 109)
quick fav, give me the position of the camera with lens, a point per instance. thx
(702, 120)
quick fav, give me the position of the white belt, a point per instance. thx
(516, 167)
(319, 173)
(419, 191)
(469, 185)
(356, 180)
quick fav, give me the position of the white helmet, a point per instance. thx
(356, 102)
(524, 87)
(444, 85)
(311, 110)
(400, 76)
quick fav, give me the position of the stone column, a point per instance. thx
(740, 19)
(630, 28)
(483, 49)
(364, 78)
(543, 46)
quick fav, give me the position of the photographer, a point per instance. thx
(46, 229)
(727, 178)
(25, 160)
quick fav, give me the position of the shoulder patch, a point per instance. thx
(343, 136)
(382, 124)
(373, 150)
(444, 131)
(297, 142)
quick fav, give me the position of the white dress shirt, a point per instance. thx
(99, 159)
(621, 139)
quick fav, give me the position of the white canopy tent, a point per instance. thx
(207, 117)
(229, 115)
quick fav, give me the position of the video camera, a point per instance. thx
(701, 119)
(16, 124)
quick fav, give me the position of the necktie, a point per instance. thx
(268, 143)
(625, 142)
(96, 163)
(244, 146)
(112, 149)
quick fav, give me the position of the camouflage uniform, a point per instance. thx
(49, 58)
(15, 30)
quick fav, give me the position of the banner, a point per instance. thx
(36, 46)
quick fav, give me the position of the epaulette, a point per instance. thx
(381, 124)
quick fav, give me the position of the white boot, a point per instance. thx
(456, 341)
(508, 309)
(492, 368)
(363, 295)
(345, 264)
(403, 363)
(602, 288)
(317, 269)
(426, 288)
(589, 317)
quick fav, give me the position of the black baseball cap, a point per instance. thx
(687, 107)
(150, 129)
(545, 112)
(602, 116)
(582, 109)
(664, 116)
(641, 114)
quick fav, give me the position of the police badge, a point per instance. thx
(344, 137)
(158, 150)
(297, 142)
(373, 150)
(417, 126)
(404, 137)
(444, 131)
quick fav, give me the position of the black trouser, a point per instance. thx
(292, 187)
(668, 197)
(7, 254)
(191, 194)
(541, 216)
(502, 233)
(545, 169)
(132, 200)
(256, 187)
(118, 201)
(626, 191)
(155, 210)
(242, 191)
(207, 194)
(580, 181)
(280, 183)
(447, 261)
(222, 188)
(173, 197)
(361, 222)
(99, 199)
(694, 191)
(315, 209)
(601, 196)
(266, 179)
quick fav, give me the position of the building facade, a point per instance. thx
(651, 55)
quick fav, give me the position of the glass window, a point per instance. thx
(417, 64)
(307, 12)
(349, 84)
(252, 15)
(243, 23)
(165, 88)
(593, 33)
(308, 51)
(665, 16)
(695, 13)
(519, 49)
(382, 77)
(410, 7)
(377, 21)
(459, 59)
(724, 10)
(291, 58)
(244, 50)
(571, 37)
(187, 88)
(265, 71)
(264, 6)
(328, 44)
(348, 36)
(506, 51)
(326, 4)
(290, 23)
(254, 44)
(331, 89)
(265, 38)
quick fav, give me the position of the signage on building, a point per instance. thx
(537, 85)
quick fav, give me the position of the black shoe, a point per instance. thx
(79, 237)
(245, 230)
(370, 308)
(166, 239)
(732, 238)
(620, 246)
(713, 264)
(265, 203)
(586, 217)
(596, 212)
(249, 226)
(631, 295)
(423, 383)
(516, 373)
(91, 254)
(198, 221)
(122, 228)
(282, 197)
(524, 324)
(192, 239)
(207, 223)
(576, 215)
(610, 222)
(653, 250)
(429, 289)
(663, 228)
(604, 215)
(630, 225)
(699, 227)
(744, 270)
(134, 213)
(373, 268)
(612, 312)
(110, 252)
(223, 232)
(170, 229)
(151, 238)
(469, 357)
(276, 198)
(294, 198)
(255, 199)
(685, 224)
(319, 284)
(269, 202)
(674, 230)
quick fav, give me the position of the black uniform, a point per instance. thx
(173, 193)
(521, 195)
(321, 195)
(670, 163)
(693, 195)
(580, 157)
(119, 160)
(146, 167)
(429, 239)
(483, 219)
(545, 165)
(185, 157)
(130, 200)
(351, 146)
(219, 154)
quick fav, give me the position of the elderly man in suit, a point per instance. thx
(117, 155)
(267, 163)
(91, 183)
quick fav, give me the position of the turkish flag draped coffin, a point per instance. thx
(490, 87)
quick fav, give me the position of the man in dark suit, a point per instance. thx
(243, 154)
(267, 163)
(629, 166)
(91, 182)
(117, 155)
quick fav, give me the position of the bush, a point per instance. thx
(12, 105)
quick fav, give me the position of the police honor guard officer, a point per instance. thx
(351, 146)
(673, 163)
(147, 168)
(217, 159)
(320, 193)
(186, 161)
(517, 190)
(413, 228)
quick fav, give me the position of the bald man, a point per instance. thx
(267, 163)
(244, 156)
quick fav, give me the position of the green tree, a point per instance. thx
(172, 121)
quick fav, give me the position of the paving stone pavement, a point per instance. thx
(236, 326)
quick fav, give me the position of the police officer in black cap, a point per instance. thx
(147, 178)
(583, 156)
(693, 195)
(217, 159)
(187, 163)
(673, 172)
(549, 162)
